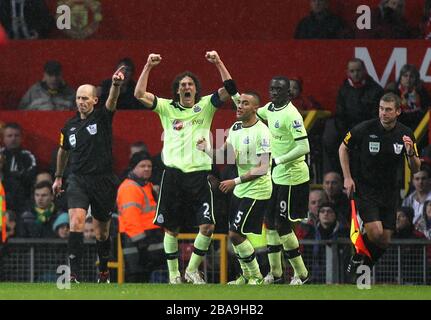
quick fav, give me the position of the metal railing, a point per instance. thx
(405, 262)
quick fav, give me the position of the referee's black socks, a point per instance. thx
(75, 249)
(375, 251)
(103, 251)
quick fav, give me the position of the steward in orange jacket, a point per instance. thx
(142, 241)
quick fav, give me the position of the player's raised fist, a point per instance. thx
(212, 56)
(154, 59)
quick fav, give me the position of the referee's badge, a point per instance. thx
(374, 147)
(72, 140)
(398, 148)
(92, 129)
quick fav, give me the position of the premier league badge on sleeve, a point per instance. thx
(398, 148)
(72, 140)
(374, 147)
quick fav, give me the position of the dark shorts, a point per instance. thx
(99, 191)
(185, 199)
(370, 209)
(287, 204)
(246, 215)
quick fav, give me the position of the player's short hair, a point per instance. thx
(254, 94)
(392, 97)
(176, 84)
(282, 78)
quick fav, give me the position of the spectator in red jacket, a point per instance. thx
(415, 99)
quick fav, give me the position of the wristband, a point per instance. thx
(237, 180)
(116, 84)
(230, 87)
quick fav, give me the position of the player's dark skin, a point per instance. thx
(279, 92)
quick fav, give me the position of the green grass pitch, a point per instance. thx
(46, 291)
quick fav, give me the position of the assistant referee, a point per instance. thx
(379, 147)
(87, 140)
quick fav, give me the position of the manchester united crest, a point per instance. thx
(86, 16)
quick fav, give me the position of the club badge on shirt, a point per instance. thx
(374, 147)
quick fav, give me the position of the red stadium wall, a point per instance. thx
(218, 19)
(321, 64)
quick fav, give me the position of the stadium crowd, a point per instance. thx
(33, 211)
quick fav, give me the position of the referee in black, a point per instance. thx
(87, 140)
(378, 147)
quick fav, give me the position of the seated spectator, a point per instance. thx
(302, 103)
(315, 200)
(421, 193)
(19, 168)
(415, 100)
(333, 189)
(37, 222)
(423, 225)
(52, 93)
(89, 229)
(327, 228)
(61, 226)
(404, 228)
(141, 239)
(26, 19)
(387, 22)
(321, 23)
(357, 100)
(126, 99)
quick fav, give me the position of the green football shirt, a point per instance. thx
(248, 143)
(286, 126)
(183, 127)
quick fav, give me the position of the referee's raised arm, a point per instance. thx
(114, 92)
(146, 98)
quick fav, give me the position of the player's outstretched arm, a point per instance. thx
(229, 88)
(146, 98)
(114, 91)
(301, 148)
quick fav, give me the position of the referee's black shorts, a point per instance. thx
(371, 207)
(287, 204)
(99, 191)
(185, 200)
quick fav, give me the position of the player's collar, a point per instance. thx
(274, 108)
